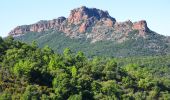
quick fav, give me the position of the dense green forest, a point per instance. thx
(31, 73)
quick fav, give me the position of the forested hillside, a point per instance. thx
(30, 73)
(135, 46)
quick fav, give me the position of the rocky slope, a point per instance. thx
(86, 22)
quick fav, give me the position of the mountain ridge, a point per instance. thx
(92, 23)
(95, 32)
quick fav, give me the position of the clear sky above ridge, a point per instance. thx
(21, 12)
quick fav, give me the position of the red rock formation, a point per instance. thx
(39, 26)
(83, 28)
(102, 25)
(141, 26)
(84, 13)
(77, 15)
(20, 30)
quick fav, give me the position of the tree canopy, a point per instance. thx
(30, 73)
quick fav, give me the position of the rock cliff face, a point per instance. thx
(141, 26)
(84, 13)
(39, 26)
(87, 22)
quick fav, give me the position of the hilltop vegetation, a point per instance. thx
(135, 46)
(30, 73)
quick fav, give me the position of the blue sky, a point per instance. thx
(20, 12)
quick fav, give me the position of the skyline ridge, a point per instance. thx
(18, 12)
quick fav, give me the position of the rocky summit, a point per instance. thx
(92, 23)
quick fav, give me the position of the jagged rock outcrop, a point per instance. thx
(87, 22)
(45, 25)
(20, 30)
(84, 13)
(39, 26)
(141, 26)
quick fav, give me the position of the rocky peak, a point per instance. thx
(141, 25)
(84, 13)
(85, 17)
